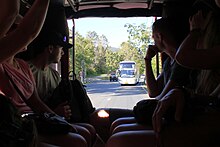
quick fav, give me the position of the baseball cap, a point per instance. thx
(52, 38)
(57, 38)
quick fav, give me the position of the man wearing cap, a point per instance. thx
(46, 49)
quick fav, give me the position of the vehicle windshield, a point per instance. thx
(127, 65)
(127, 73)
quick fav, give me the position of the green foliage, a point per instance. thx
(139, 38)
(93, 53)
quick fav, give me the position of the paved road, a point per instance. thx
(104, 93)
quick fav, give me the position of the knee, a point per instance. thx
(131, 127)
(85, 133)
(77, 141)
(132, 138)
(89, 127)
(64, 140)
(122, 120)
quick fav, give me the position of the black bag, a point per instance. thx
(48, 123)
(14, 130)
(144, 110)
(85, 104)
(74, 92)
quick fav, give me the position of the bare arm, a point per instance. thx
(37, 104)
(9, 11)
(170, 85)
(154, 86)
(189, 54)
(27, 30)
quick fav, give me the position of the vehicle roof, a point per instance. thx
(124, 8)
(59, 10)
(120, 8)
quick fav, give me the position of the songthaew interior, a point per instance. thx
(60, 11)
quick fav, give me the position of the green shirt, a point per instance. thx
(46, 81)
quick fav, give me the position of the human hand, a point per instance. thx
(151, 52)
(197, 21)
(63, 109)
(174, 98)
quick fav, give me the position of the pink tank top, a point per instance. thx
(24, 81)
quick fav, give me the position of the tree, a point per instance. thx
(112, 60)
(84, 51)
(94, 50)
(101, 45)
(139, 38)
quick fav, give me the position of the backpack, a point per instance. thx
(74, 92)
(144, 110)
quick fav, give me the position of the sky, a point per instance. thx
(112, 28)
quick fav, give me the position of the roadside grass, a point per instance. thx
(104, 76)
(92, 77)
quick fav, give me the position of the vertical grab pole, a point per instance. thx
(73, 40)
(157, 58)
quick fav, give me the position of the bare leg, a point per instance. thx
(122, 120)
(84, 133)
(90, 128)
(64, 140)
(143, 138)
(43, 144)
(131, 127)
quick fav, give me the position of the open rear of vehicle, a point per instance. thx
(74, 9)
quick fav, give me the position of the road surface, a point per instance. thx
(104, 93)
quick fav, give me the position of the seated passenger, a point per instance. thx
(47, 49)
(199, 50)
(17, 71)
(166, 40)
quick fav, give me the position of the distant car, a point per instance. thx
(113, 77)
